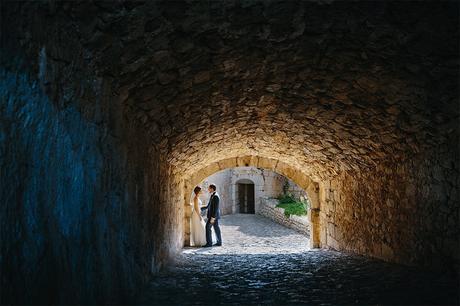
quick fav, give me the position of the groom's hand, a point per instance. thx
(212, 220)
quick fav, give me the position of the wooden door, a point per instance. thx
(242, 198)
(246, 198)
(250, 198)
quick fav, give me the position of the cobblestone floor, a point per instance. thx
(264, 263)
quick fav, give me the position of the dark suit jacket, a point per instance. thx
(213, 207)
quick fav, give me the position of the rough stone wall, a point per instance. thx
(407, 213)
(76, 200)
(83, 217)
(168, 235)
(266, 184)
(298, 223)
(296, 191)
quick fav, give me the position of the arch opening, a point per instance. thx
(301, 179)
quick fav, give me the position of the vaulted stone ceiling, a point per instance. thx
(107, 107)
(323, 86)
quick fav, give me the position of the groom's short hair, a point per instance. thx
(213, 187)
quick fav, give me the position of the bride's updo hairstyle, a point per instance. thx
(197, 189)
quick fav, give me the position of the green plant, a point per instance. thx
(285, 198)
(292, 206)
(296, 208)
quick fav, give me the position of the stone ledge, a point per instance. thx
(269, 210)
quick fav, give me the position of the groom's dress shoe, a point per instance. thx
(218, 244)
(207, 246)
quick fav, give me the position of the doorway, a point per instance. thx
(246, 198)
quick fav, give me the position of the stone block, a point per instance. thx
(267, 163)
(188, 210)
(227, 163)
(246, 161)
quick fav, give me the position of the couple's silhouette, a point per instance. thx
(201, 234)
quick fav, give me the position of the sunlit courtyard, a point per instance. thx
(254, 234)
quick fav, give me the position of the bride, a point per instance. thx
(198, 232)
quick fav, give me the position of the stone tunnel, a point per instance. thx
(111, 112)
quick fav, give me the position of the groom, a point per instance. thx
(213, 217)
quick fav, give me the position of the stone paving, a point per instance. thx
(262, 262)
(254, 234)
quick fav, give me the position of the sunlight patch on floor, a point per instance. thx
(254, 234)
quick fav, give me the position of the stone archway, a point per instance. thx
(296, 175)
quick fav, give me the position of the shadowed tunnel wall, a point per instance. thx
(80, 189)
(76, 196)
(108, 108)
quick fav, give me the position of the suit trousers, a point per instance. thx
(216, 230)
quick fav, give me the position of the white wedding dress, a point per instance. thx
(198, 228)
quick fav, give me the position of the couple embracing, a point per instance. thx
(200, 232)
